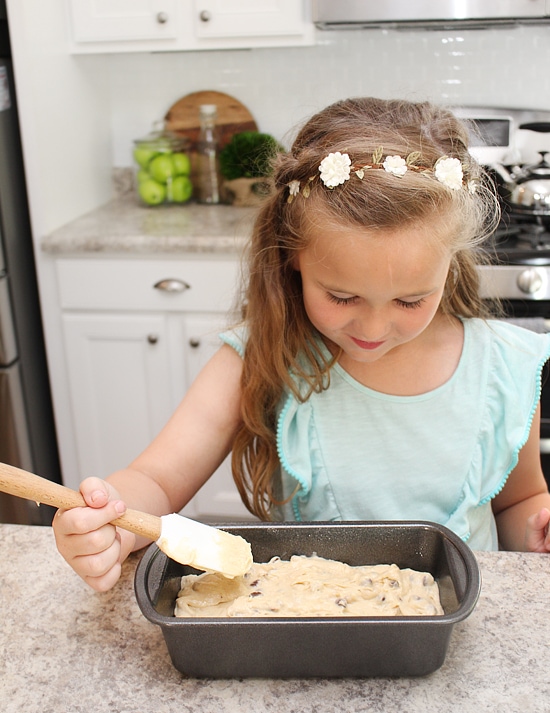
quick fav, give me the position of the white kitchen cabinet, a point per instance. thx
(238, 18)
(118, 373)
(168, 25)
(123, 20)
(136, 332)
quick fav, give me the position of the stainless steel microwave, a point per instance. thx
(428, 14)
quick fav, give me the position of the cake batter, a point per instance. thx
(310, 586)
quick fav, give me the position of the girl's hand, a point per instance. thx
(86, 539)
(537, 534)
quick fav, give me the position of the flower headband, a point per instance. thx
(336, 169)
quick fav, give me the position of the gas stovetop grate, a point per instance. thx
(519, 242)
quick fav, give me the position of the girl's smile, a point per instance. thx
(373, 293)
(367, 345)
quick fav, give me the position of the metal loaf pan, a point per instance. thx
(315, 646)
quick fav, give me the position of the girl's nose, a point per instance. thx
(372, 324)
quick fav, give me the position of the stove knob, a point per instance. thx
(530, 281)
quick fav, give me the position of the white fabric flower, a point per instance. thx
(294, 188)
(449, 172)
(335, 169)
(395, 165)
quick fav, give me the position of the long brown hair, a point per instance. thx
(281, 348)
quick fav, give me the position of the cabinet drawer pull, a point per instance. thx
(162, 17)
(194, 342)
(172, 284)
(205, 16)
(152, 338)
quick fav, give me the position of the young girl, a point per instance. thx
(366, 381)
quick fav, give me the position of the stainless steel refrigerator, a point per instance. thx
(27, 431)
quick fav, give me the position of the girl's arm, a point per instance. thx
(161, 480)
(522, 508)
(192, 445)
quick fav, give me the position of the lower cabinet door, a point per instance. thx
(119, 381)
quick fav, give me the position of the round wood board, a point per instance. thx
(233, 117)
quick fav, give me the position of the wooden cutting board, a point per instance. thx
(233, 117)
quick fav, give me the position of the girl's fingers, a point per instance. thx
(538, 534)
(106, 581)
(80, 521)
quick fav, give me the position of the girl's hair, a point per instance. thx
(282, 343)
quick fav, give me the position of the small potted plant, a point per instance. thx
(245, 166)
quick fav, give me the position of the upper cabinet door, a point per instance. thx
(122, 20)
(178, 25)
(248, 18)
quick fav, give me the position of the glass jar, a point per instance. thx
(163, 169)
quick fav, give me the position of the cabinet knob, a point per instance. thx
(172, 284)
(194, 342)
(205, 16)
(162, 18)
(152, 338)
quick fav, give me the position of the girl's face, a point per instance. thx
(372, 292)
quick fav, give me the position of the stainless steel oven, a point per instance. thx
(518, 274)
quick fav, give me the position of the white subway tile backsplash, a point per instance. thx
(282, 87)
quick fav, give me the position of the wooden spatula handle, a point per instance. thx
(23, 484)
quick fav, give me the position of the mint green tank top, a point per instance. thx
(352, 453)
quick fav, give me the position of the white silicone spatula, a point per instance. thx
(183, 540)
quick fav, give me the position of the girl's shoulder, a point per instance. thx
(236, 337)
(508, 357)
(509, 336)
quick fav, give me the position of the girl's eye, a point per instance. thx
(341, 300)
(410, 305)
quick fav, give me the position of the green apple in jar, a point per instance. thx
(142, 175)
(161, 168)
(181, 164)
(143, 155)
(179, 189)
(152, 192)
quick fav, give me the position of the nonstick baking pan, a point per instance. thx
(306, 647)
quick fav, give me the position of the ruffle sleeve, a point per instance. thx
(516, 359)
(236, 338)
(303, 470)
(513, 392)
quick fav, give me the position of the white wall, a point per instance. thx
(281, 87)
(64, 114)
(80, 114)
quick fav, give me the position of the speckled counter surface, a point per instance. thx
(125, 226)
(66, 648)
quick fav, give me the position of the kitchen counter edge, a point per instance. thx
(123, 226)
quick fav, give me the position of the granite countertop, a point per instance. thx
(124, 226)
(67, 648)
